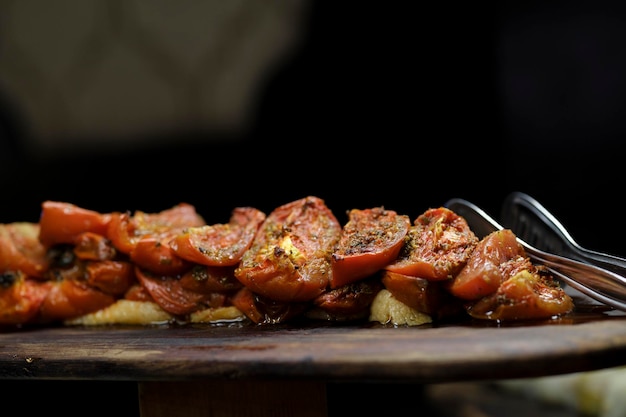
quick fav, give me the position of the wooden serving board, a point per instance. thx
(328, 353)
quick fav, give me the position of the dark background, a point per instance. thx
(389, 104)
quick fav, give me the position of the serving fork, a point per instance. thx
(533, 223)
(596, 282)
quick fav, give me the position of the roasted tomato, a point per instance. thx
(111, 277)
(219, 244)
(154, 254)
(62, 222)
(348, 302)
(20, 249)
(137, 292)
(496, 258)
(94, 247)
(262, 310)
(170, 295)
(70, 298)
(437, 246)
(20, 297)
(371, 239)
(289, 260)
(146, 237)
(125, 230)
(210, 279)
(528, 294)
(426, 296)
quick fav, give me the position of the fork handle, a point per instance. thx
(521, 211)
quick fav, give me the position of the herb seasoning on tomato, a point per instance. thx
(289, 259)
(371, 239)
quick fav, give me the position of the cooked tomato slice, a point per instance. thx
(527, 295)
(371, 239)
(62, 222)
(289, 259)
(219, 244)
(20, 249)
(210, 279)
(350, 301)
(94, 247)
(71, 298)
(488, 264)
(122, 232)
(262, 310)
(138, 293)
(154, 254)
(169, 294)
(111, 277)
(20, 297)
(438, 245)
(126, 230)
(424, 295)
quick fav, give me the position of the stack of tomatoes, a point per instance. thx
(297, 261)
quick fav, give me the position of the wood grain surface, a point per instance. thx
(330, 353)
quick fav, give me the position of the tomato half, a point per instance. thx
(289, 259)
(20, 249)
(486, 267)
(169, 294)
(71, 298)
(527, 295)
(154, 254)
(94, 247)
(371, 239)
(146, 237)
(350, 301)
(210, 279)
(219, 244)
(111, 277)
(20, 297)
(125, 230)
(262, 310)
(421, 294)
(62, 222)
(438, 245)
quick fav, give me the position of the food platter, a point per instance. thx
(327, 352)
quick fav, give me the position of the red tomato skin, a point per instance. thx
(210, 279)
(70, 298)
(93, 247)
(370, 240)
(137, 292)
(110, 277)
(20, 249)
(483, 273)
(121, 232)
(524, 296)
(289, 260)
(126, 230)
(62, 222)
(244, 300)
(437, 246)
(421, 294)
(169, 294)
(350, 300)
(219, 244)
(155, 255)
(21, 299)
(263, 311)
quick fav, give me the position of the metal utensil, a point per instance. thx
(600, 284)
(533, 223)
